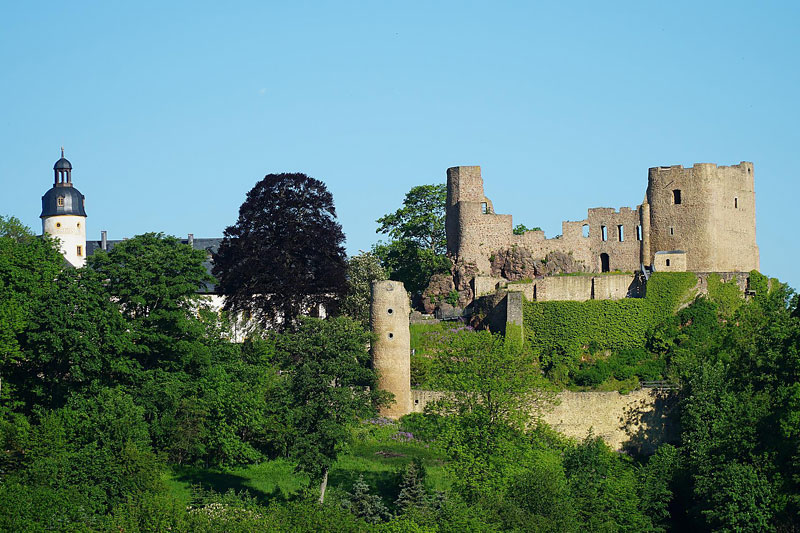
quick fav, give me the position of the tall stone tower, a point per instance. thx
(391, 348)
(63, 215)
(707, 211)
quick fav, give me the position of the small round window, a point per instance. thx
(391, 335)
(390, 310)
(58, 224)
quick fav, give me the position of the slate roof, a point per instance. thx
(209, 245)
(73, 202)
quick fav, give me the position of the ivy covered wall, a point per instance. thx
(570, 328)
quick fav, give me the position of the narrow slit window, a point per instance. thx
(638, 233)
(621, 233)
(676, 196)
(671, 231)
(736, 203)
(604, 233)
(80, 251)
(484, 207)
(667, 262)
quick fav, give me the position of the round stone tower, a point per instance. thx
(63, 215)
(391, 348)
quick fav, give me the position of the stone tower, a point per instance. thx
(391, 348)
(707, 211)
(63, 215)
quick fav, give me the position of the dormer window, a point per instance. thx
(60, 201)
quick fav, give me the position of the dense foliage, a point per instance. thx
(285, 254)
(120, 389)
(418, 244)
(560, 333)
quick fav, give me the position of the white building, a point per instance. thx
(63, 214)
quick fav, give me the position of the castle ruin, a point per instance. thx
(698, 219)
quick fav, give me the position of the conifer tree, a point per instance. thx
(412, 488)
(364, 505)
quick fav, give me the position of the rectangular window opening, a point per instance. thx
(621, 233)
(80, 251)
(736, 203)
(638, 233)
(484, 207)
(671, 230)
(604, 233)
(676, 196)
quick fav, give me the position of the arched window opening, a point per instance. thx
(676, 196)
(667, 262)
(605, 265)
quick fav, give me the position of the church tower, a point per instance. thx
(63, 215)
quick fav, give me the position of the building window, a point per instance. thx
(667, 262)
(484, 208)
(736, 203)
(676, 196)
(58, 224)
(604, 233)
(638, 233)
(585, 231)
(80, 251)
(671, 231)
(60, 201)
(621, 233)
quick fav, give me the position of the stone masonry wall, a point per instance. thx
(712, 218)
(638, 422)
(708, 211)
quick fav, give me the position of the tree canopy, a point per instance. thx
(284, 254)
(417, 229)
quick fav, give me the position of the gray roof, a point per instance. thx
(62, 164)
(209, 245)
(73, 202)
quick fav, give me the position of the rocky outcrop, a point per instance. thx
(518, 263)
(447, 291)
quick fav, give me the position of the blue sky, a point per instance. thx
(171, 111)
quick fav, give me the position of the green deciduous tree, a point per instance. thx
(285, 253)
(28, 266)
(494, 394)
(330, 388)
(418, 246)
(362, 270)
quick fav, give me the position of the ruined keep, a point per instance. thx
(391, 346)
(703, 217)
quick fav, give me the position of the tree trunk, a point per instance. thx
(323, 486)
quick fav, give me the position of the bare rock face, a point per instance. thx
(439, 292)
(517, 263)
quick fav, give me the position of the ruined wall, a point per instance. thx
(671, 261)
(614, 233)
(638, 422)
(475, 231)
(391, 348)
(579, 288)
(706, 211)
